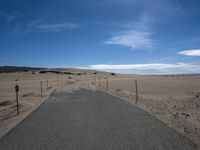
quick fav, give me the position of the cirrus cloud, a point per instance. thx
(195, 52)
(40, 26)
(52, 27)
(136, 35)
(134, 39)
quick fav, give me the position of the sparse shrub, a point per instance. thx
(43, 71)
(69, 73)
(4, 103)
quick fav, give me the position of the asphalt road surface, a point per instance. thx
(86, 120)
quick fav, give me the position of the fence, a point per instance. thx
(30, 91)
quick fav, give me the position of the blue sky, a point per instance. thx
(126, 36)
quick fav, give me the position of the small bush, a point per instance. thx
(43, 71)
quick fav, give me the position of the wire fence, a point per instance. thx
(31, 92)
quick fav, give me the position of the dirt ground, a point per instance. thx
(30, 92)
(175, 100)
(29, 95)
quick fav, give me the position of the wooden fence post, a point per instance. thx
(41, 88)
(107, 83)
(99, 82)
(47, 84)
(17, 90)
(136, 91)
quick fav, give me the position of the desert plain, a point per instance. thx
(173, 99)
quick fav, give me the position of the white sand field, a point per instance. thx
(29, 95)
(173, 100)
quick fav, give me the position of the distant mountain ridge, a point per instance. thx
(10, 69)
(6, 69)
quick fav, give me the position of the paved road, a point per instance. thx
(85, 120)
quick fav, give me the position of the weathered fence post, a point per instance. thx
(96, 80)
(107, 83)
(136, 91)
(99, 82)
(17, 90)
(47, 84)
(41, 88)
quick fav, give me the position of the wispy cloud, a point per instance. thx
(40, 26)
(155, 68)
(136, 36)
(10, 17)
(140, 35)
(195, 52)
(133, 39)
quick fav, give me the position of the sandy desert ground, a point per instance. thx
(175, 100)
(30, 92)
(29, 95)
